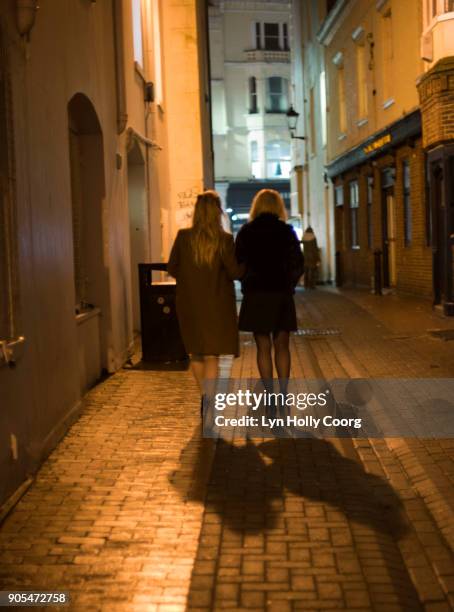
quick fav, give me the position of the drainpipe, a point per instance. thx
(25, 16)
(122, 115)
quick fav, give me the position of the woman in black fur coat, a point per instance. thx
(271, 253)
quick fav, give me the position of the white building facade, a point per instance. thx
(250, 86)
(311, 192)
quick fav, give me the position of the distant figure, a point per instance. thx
(204, 265)
(311, 258)
(270, 251)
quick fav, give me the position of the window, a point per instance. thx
(330, 4)
(440, 6)
(323, 106)
(313, 142)
(308, 21)
(342, 103)
(157, 52)
(271, 31)
(361, 81)
(354, 207)
(258, 36)
(278, 159)
(277, 95)
(271, 36)
(387, 55)
(370, 200)
(256, 169)
(339, 195)
(285, 36)
(408, 221)
(137, 31)
(253, 107)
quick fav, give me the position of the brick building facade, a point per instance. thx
(375, 155)
(436, 91)
(386, 212)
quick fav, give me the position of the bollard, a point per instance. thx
(377, 277)
(339, 279)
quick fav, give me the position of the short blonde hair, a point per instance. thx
(268, 201)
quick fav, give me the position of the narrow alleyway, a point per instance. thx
(134, 511)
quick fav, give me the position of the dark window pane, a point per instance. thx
(258, 42)
(253, 95)
(354, 205)
(285, 36)
(354, 228)
(275, 84)
(277, 90)
(272, 36)
(408, 221)
(370, 227)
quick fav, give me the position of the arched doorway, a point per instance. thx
(91, 280)
(138, 223)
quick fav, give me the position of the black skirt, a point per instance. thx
(266, 312)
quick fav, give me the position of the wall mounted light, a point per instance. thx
(292, 120)
(25, 16)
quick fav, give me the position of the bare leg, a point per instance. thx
(282, 357)
(204, 367)
(210, 367)
(197, 367)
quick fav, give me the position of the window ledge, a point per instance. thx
(362, 122)
(388, 103)
(342, 136)
(439, 18)
(11, 350)
(82, 317)
(140, 71)
(356, 248)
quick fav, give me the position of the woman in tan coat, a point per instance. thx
(204, 265)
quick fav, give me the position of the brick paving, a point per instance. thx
(105, 518)
(134, 511)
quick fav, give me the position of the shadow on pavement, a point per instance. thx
(287, 493)
(247, 480)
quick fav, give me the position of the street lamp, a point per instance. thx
(292, 120)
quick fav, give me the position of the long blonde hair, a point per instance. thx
(207, 227)
(268, 201)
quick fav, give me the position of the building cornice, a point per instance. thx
(283, 6)
(333, 21)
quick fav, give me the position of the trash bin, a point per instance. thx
(161, 339)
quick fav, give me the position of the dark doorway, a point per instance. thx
(138, 223)
(90, 245)
(441, 201)
(436, 199)
(389, 235)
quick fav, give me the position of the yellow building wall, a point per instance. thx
(181, 110)
(405, 67)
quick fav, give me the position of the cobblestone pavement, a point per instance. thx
(134, 511)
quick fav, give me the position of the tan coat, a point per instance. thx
(205, 301)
